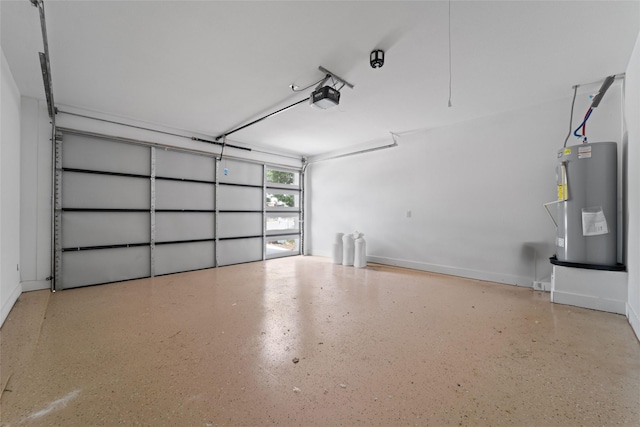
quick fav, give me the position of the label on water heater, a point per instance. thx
(562, 192)
(594, 222)
(560, 242)
(584, 152)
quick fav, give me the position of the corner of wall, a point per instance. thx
(634, 320)
(10, 286)
(632, 110)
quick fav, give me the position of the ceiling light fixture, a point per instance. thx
(376, 58)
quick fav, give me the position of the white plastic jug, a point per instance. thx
(337, 249)
(348, 249)
(360, 256)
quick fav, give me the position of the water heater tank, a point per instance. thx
(587, 212)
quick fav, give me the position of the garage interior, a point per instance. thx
(174, 175)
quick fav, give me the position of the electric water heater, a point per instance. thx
(587, 177)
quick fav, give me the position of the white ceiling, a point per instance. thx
(209, 66)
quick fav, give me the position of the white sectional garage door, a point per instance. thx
(129, 210)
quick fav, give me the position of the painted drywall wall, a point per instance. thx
(632, 99)
(10, 288)
(464, 200)
(36, 160)
(35, 195)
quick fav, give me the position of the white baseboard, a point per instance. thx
(7, 305)
(455, 271)
(595, 289)
(541, 286)
(634, 320)
(588, 301)
(443, 269)
(35, 285)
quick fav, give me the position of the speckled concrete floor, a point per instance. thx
(376, 346)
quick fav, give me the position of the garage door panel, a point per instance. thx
(177, 164)
(174, 258)
(89, 229)
(238, 172)
(88, 153)
(237, 251)
(175, 226)
(90, 267)
(239, 224)
(184, 195)
(233, 197)
(97, 191)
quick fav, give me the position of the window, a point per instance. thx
(282, 178)
(282, 219)
(285, 222)
(283, 246)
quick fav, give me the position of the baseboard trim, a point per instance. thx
(587, 301)
(468, 273)
(634, 320)
(35, 285)
(508, 279)
(9, 303)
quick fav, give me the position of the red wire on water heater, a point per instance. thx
(584, 123)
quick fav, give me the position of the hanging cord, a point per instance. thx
(297, 89)
(594, 104)
(583, 125)
(449, 103)
(224, 144)
(573, 103)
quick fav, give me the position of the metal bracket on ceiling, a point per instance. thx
(45, 64)
(335, 77)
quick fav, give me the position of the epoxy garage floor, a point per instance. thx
(300, 341)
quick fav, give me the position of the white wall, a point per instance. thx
(35, 195)
(10, 287)
(632, 98)
(475, 192)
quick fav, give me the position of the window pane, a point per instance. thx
(283, 246)
(275, 176)
(282, 199)
(282, 223)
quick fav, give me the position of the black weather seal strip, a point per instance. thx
(185, 241)
(91, 248)
(138, 210)
(103, 210)
(186, 210)
(237, 211)
(618, 267)
(198, 181)
(128, 175)
(240, 185)
(240, 238)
